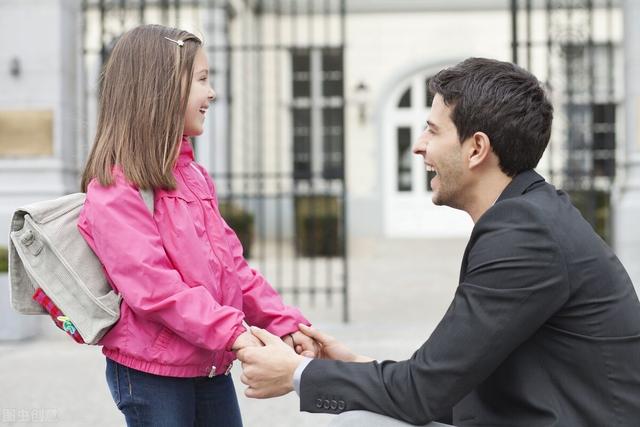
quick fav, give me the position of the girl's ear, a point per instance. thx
(479, 149)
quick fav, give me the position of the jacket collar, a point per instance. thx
(520, 184)
(186, 151)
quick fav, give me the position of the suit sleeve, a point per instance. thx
(126, 240)
(262, 305)
(513, 280)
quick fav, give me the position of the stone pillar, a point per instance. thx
(39, 96)
(213, 145)
(627, 200)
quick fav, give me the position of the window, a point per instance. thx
(604, 139)
(331, 72)
(317, 113)
(591, 110)
(301, 143)
(404, 158)
(405, 99)
(332, 140)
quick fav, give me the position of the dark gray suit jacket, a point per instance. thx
(544, 330)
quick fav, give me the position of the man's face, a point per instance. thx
(442, 152)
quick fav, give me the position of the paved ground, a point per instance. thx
(399, 290)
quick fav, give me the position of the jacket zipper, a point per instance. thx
(204, 215)
(212, 372)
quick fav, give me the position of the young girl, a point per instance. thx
(185, 285)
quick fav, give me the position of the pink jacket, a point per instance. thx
(185, 285)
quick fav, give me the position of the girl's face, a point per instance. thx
(200, 96)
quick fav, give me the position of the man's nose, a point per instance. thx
(420, 147)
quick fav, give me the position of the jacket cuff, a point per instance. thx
(286, 323)
(236, 333)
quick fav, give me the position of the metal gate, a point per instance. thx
(274, 142)
(574, 46)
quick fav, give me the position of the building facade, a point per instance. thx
(319, 103)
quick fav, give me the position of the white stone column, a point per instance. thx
(39, 61)
(627, 200)
(212, 149)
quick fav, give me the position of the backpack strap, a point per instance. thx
(147, 196)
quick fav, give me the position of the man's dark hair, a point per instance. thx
(502, 100)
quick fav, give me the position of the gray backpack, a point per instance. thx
(52, 270)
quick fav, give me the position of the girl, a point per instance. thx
(185, 285)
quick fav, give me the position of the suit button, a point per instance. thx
(341, 405)
(334, 404)
(319, 403)
(326, 404)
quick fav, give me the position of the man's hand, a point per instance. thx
(268, 371)
(245, 339)
(331, 348)
(305, 345)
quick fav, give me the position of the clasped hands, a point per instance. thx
(269, 362)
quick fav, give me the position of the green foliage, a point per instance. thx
(4, 260)
(595, 207)
(318, 226)
(241, 222)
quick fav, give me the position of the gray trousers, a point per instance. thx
(370, 419)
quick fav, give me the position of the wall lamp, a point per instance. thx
(361, 100)
(14, 67)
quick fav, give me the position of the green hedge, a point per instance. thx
(4, 260)
(318, 226)
(241, 222)
(595, 206)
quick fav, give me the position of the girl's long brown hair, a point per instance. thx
(144, 92)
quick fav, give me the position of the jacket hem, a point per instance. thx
(156, 368)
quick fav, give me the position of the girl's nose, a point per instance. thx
(212, 95)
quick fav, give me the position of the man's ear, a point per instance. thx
(479, 149)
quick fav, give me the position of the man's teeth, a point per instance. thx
(430, 168)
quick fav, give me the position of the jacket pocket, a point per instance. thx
(163, 340)
(183, 212)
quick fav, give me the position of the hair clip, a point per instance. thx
(178, 42)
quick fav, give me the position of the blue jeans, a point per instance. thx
(152, 400)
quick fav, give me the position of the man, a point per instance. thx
(544, 328)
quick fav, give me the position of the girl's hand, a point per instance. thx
(330, 348)
(305, 345)
(246, 339)
(288, 340)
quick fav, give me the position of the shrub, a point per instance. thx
(241, 222)
(595, 206)
(4, 260)
(318, 226)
